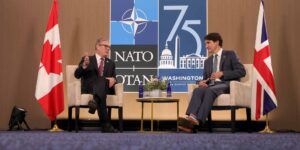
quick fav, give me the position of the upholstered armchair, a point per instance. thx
(239, 97)
(77, 100)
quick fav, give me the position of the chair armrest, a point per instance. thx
(191, 88)
(240, 93)
(119, 92)
(74, 92)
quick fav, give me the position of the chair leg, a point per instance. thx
(76, 118)
(248, 112)
(120, 111)
(232, 119)
(209, 122)
(69, 118)
(109, 113)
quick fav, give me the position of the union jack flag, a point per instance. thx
(263, 87)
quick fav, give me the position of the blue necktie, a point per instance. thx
(215, 63)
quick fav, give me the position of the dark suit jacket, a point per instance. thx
(90, 79)
(229, 64)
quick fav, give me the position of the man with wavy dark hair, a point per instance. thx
(220, 68)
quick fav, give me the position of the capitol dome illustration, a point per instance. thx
(166, 58)
(190, 61)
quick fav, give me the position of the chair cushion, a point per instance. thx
(85, 98)
(113, 100)
(223, 100)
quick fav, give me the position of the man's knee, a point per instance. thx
(199, 90)
(209, 90)
(218, 88)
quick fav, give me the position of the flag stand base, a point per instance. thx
(267, 128)
(55, 128)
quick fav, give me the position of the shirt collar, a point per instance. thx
(98, 57)
(219, 52)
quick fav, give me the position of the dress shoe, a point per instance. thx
(92, 106)
(182, 128)
(184, 122)
(193, 121)
(187, 125)
(108, 128)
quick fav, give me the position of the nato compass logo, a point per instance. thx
(133, 22)
(135, 19)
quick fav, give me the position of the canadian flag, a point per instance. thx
(49, 87)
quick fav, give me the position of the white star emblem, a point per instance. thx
(134, 21)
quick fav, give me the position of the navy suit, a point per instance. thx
(92, 83)
(203, 98)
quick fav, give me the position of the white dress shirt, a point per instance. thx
(219, 53)
(98, 58)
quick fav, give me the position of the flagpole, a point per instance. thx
(55, 127)
(267, 128)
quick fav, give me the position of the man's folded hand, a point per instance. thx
(112, 81)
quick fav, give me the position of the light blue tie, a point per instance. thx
(215, 63)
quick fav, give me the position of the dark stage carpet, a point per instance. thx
(92, 140)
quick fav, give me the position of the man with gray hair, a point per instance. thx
(98, 77)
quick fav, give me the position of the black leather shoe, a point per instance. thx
(185, 125)
(108, 128)
(92, 106)
(184, 122)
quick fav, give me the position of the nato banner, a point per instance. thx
(158, 38)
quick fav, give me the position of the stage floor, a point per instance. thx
(91, 140)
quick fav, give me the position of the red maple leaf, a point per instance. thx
(51, 57)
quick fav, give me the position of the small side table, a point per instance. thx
(153, 100)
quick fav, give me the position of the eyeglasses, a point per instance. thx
(106, 46)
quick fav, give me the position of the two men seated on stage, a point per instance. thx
(98, 77)
(220, 68)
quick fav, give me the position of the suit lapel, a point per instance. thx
(210, 64)
(106, 66)
(223, 57)
(94, 63)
